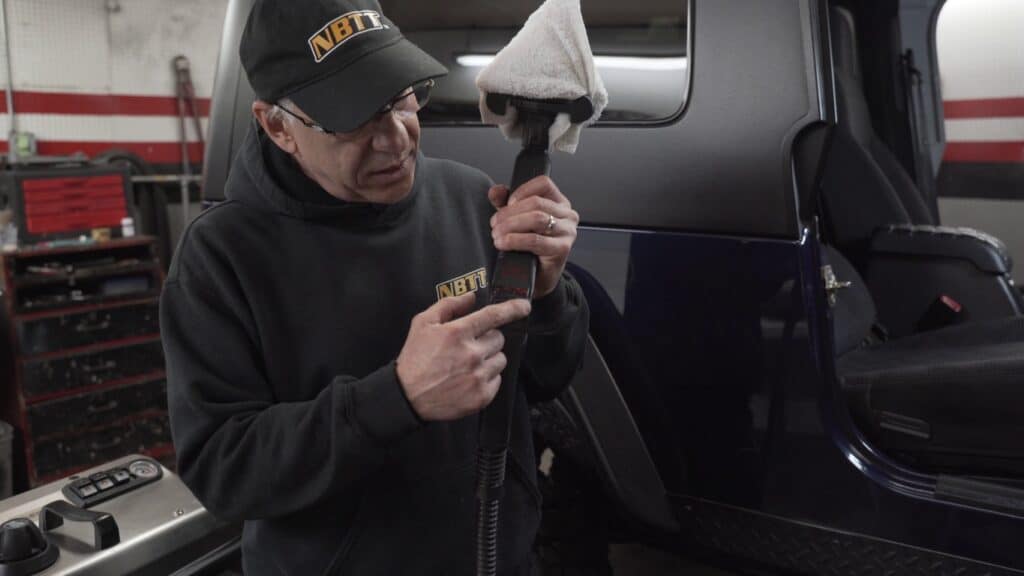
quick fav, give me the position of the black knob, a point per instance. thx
(24, 549)
(20, 539)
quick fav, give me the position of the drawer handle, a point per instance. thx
(94, 409)
(87, 327)
(103, 367)
(113, 443)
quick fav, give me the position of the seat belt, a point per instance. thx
(923, 167)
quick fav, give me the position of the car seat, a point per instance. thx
(948, 400)
(872, 210)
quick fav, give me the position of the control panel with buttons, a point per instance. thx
(102, 486)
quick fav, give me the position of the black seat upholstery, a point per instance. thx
(864, 185)
(950, 400)
(947, 400)
(874, 213)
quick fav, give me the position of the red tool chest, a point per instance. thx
(65, 202)
(81, 357)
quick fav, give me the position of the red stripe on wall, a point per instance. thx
(98, 104)
(992, 152)
(984, 108)
(152, 152)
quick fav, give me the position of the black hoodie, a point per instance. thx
(282, 315)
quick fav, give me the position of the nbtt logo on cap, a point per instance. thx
(341, 30)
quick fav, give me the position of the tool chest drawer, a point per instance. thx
(141, 435)
(55, 375)
(80, 414)
(85, 328)
(90, 290)
(64, 202)
(80, 348)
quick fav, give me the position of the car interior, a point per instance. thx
(929, 333)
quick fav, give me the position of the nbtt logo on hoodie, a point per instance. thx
(341, 30)
(470, 282)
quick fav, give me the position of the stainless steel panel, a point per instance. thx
(155, 521)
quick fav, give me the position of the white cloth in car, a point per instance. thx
(549, 58)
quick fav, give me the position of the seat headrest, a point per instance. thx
(852, 105)
(845, 54)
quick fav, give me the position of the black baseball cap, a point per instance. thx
(340, 60)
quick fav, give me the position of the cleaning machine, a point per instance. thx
(131, 516)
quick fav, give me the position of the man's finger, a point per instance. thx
(534, 244)
(536, 222)
(448, 309)
(493, 316)
(536, 204)
(494, 365)
(498, 195)
(491, 342)
(539, 186)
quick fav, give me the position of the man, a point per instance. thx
(325, 362)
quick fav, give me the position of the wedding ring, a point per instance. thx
(551, 225)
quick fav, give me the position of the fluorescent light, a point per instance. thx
(474, 60)
(608, 62)
(641, 62)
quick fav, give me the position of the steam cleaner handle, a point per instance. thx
(514, 275)
(530, 163)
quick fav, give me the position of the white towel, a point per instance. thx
(549, 58)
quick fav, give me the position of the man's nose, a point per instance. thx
(390, 134)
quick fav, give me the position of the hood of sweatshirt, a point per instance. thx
(266, 178)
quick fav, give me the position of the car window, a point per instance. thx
(640, 50)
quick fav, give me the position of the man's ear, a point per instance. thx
(275, 125)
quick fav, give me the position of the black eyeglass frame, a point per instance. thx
(423, 88)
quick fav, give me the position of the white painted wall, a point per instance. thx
(980, 47)
(109, 47)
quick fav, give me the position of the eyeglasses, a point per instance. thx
(402, 106)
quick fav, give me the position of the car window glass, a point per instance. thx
(640, 49)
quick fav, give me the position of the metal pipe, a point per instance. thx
(166, 178)
(180, 66)
(12, 144)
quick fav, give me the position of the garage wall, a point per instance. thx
(981, 58)
(94, 74)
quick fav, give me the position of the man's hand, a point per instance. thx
(536, 218)
(451, 363)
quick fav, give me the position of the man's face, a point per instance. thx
(375, 163)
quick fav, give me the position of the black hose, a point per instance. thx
(490, 486)
(514, 275)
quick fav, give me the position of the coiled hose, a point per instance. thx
(490, 486)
